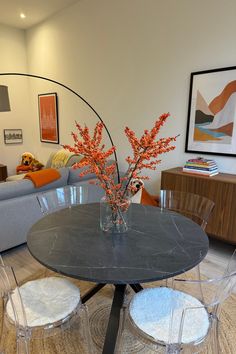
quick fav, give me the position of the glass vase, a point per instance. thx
(115, 217)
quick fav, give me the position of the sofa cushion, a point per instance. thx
(74, 175)
(23, 187)
(17, 216)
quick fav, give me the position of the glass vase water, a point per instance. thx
(115, 217)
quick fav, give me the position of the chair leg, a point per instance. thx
(46, 273)
(199, 278)
(169, 282)
(22, 345)
(126, 297)
(215, 337)
(86, 329)
(118, 347)
(2, 323)
(173, 349)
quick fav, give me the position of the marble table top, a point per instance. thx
(159, 244)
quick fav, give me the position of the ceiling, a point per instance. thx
(35, 11)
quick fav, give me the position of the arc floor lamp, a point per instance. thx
(5, 102)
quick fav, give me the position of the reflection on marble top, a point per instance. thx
(159, 244)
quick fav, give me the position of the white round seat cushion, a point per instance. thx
(150, 309)
(45, 301)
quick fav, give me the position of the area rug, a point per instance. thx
(71, 341)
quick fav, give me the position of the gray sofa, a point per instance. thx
(69, 161)
(19, 208)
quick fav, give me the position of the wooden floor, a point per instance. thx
(25, 265)
(217, 258)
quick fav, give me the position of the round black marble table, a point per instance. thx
(160, 244)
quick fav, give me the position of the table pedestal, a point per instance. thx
(114, 318)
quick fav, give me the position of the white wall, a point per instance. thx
(132, 59)
(13, 59)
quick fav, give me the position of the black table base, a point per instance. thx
(114, 318)
(91, 292)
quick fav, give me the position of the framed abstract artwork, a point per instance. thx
(48, 118)
(13, 136)
(211, 127)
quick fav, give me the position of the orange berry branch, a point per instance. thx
(146, 151)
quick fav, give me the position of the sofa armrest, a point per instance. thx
(17, 215)
(13, 189)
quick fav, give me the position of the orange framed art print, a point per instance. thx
(48, 118)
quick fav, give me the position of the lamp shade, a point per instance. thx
(4, 99)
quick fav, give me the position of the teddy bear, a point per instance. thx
(136, 186)
(28, 163)
(138, 194)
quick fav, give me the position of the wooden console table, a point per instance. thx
(220, 188)
(3, 172)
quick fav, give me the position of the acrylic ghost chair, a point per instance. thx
(177, 320)
(42, 308)
(193, 206)
(67, 197)
(64, 197)
(53, 302)
(7, 283)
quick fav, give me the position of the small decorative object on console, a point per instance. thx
(201, 166)
(146, 151)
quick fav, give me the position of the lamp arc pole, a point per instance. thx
(80, 97)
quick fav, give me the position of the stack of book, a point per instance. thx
(201, 166)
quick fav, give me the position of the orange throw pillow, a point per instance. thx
(42, 177)
(147, 199)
